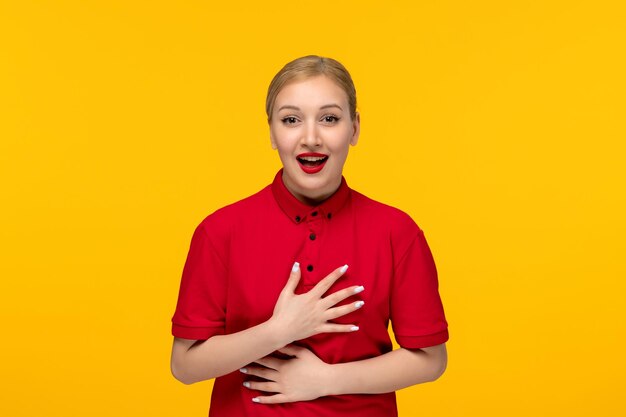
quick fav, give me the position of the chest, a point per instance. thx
(262, 255)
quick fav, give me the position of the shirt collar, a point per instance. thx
(298, 211)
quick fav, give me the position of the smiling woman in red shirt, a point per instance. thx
(286, 295)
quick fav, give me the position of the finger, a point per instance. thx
(272, 399)
(265, 373)
(270, 362)
(328, 281)
(332, 299)
(292, 350)
(262, 386)
(294, 278)
(338, 328)
(333, 313)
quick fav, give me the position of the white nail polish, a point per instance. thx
(359, 304)
(295, 267)
(354, 328)
(343, 269)
(243, 370)
(256, 400)
(246, 384)
(358, 289)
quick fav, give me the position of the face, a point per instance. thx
(312, 130)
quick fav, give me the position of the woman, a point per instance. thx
(286, 295)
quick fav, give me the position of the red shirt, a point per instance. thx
(239, 261)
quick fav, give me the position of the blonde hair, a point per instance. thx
(307, 67)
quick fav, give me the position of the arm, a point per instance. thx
(194, 361)
(392, 371)
(306, 377)
(295, 317)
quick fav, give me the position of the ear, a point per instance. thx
(356, 125)
(272, 141)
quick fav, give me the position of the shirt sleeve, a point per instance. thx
(417, 314)
(201, 308)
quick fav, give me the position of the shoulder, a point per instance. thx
(222, 220)
(393, 218)
(388, 222)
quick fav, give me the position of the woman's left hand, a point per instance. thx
(301, 378)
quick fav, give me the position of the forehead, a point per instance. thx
(314, 92)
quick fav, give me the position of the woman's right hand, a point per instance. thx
(299, 316)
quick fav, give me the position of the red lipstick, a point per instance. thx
(311, 162)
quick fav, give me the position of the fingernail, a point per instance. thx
(343, 269)
(246, 384)
(256, 400)
(243, 370)
(354, 328)
(295, 267)
(358, 289)
(359, 304)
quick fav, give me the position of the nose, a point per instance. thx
(311, 135)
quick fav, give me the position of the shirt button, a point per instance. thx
(312, 236)
(309, 268)
(298, 219)
(314, 213)
(329, 216)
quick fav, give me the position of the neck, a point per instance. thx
(314, 198)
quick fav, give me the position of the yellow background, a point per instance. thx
(499, 126)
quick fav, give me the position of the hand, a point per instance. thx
(302, 378)
(300, 316)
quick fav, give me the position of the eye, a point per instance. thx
(289, 120)
(330, 118)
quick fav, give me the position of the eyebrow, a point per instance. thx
(325, 106)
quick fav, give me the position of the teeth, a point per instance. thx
(312, 158)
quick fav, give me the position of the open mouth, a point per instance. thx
(312, 163)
